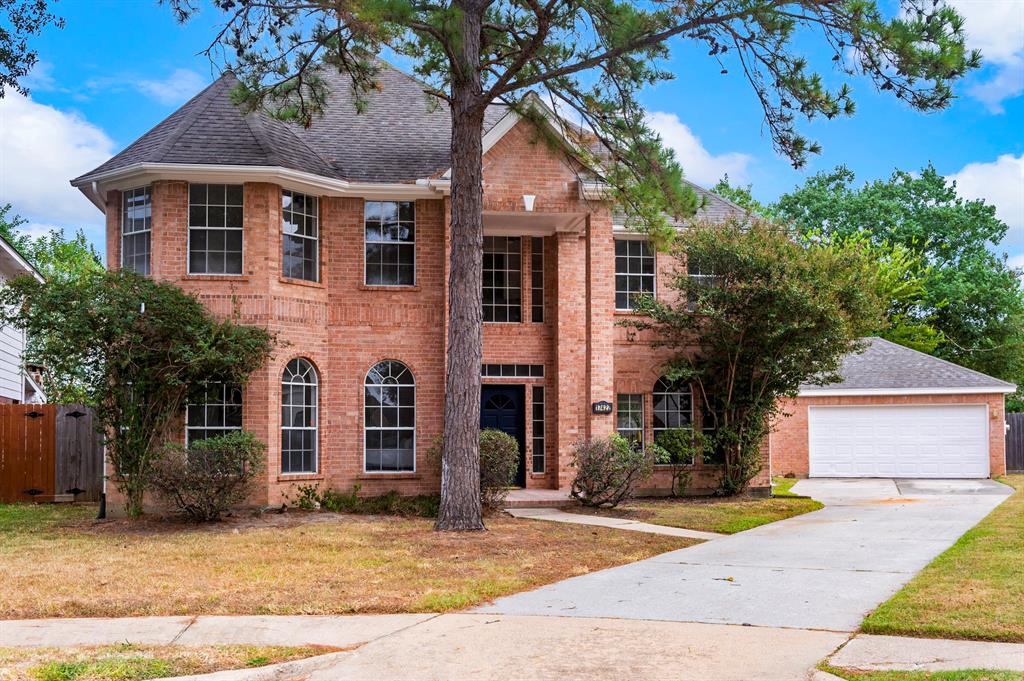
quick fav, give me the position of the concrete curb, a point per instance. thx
(881, 653)
(559, 516)
(275, 672)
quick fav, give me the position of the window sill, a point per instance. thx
(301, 282)
(299, 477)
(388, 475)
(388, 289)
(626, 313)
(217, 277)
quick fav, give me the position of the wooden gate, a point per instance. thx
(49, 452)
(1015, 443)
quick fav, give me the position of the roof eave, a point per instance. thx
(868, 392)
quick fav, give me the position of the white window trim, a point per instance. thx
(149, 191)
(232, 428)
(315, 239)
(643, 421)
(522, 316)
(416, 232)
(654, 257)
(189, 228)
(316, 428)
(415, 427)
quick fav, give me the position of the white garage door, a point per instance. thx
(947, 441)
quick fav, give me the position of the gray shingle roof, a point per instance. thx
(401, 136)
(884, 365)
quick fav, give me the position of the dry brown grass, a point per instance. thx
(125, 662)
(55, 562)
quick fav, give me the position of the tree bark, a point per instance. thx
(460, 463)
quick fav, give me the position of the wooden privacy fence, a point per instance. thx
(1015, 443)
(49, 452)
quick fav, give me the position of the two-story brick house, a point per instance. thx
(334, 237)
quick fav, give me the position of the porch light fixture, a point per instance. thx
(528, 200)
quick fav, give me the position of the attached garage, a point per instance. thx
(897, 413)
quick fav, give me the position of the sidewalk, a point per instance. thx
(560, 516)
(872, 653)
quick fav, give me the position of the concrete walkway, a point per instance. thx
(821, 570)
(927, 654)
(559, 516)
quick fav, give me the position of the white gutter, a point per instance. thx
(868, 392)
(96, 186)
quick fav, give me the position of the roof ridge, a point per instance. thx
(190, 119)
(961, 367)
(254, 122)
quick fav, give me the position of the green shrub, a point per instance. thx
(310, 498)
(499, 460)
(678, 448)
(209, 477)
(607, 470)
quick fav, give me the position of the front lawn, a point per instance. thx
(975, 590)
(712, 514)
(55, 561)
(958, 675)
(126, 662)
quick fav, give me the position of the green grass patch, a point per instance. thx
(712, 514)
(893, 675)
(974, 590)
(781, 487)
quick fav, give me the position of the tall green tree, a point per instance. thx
(142, 348)
(774, 315)
(591, 58)
(969, 294)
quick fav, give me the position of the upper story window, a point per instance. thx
(300, 226)
(701, 275)
(218, 414)
(215, 229)
(136, 229)
(634, 271)
(390, 243)
(537, 279)
(502, 276)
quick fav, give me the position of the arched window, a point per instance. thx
(299, 417)
(390, 418)
(673, 405)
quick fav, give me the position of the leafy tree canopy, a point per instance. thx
(19, 21)
(140, 347)
(774, 316)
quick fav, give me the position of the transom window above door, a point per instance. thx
(502, 279)
(390, 243)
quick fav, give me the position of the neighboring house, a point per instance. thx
(17, 385)
(335, 238)
(897, 413)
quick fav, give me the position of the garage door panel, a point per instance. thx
(925, 441)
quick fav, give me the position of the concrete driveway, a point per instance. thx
(822, 570)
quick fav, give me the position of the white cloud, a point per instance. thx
(176, 88)
(996, 27)
(699, 165)
(41, 149)
(1001, 184)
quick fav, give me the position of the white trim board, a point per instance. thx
(869, 392)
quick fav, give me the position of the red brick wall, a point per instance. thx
(789, 443)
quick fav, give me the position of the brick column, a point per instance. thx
(601, 320)
(570, 350)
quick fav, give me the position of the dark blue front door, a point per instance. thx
(502, 408)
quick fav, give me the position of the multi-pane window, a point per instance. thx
(219, 412)
(701, 276)
(300, 226)
(537, 279)
(390, 418)
(629, 418)
(503, 258)
(215, 229)
(634, 271)
(538, 429)
(136, 229)
(299, 419)
(673, 406)
(390, 243)
(512, 370)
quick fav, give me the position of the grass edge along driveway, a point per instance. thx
(974, 590)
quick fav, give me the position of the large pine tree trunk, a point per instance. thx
(460, 464)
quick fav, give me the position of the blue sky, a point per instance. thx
(120, 66)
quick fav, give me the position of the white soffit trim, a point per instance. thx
(18, 260)
(867, 392)
(95, 187)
